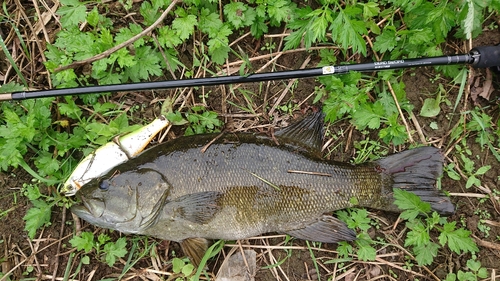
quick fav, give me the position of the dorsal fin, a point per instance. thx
(308, 132)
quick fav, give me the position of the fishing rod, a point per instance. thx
(479, 57)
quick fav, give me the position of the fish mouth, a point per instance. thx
(81, 211)
(87, 210)
(93, 210)
(87, 213)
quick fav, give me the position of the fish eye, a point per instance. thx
(104, 185)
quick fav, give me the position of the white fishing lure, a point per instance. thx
(112, 154)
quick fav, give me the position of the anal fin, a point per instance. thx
(326, 229)
(195, 249)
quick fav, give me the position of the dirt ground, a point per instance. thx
(50, 257)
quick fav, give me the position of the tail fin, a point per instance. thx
(416, 170)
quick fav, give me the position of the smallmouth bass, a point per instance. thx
(245, 185)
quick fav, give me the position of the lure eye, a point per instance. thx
(104, 185)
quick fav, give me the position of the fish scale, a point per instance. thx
(240, 169)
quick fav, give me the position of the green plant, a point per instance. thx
(149, 57)
(288, 108)
(84, 260)
(11, 87)
(469, 169)
(202, 121)
(482, 127)
(357, 219)
(269, 46)
(481, 225)
(347, 98)
(421, 221)
(347, 25)
(431, 106)
(107, 250)
(199, 120)
(183, 268)
(29, 127)
(476, 271)
(482, 124)
(72, 44)
(38, 215)
(368, 150)
(114, 250)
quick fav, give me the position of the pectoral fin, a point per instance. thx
(198, 207)
(326, 229)
(195, 249)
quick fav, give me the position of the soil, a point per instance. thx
(49, 256)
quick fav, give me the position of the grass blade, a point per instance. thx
(12, 62)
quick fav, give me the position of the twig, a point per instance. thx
(37, 42)
(205, 147)
(42, 24)
(240, 115)
(419, 129)
(5, 263)
(61, 231)
(388, 277)
(283, 52)
(382, 261)
(486, 244)
(400, 111)
(341, 276)
(287, 88)
(122, 45)
(34, 249)
(273, 260)
(473, 195)
(244, 257)
(18, 264)
(309, 173)
(51, 11)
(78, 225)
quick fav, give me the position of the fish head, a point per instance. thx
(126, 201)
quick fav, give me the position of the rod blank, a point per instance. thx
(486, 56)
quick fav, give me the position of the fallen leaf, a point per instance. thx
(487, 89)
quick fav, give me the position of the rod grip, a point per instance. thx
(5, 97)
(486, 56)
